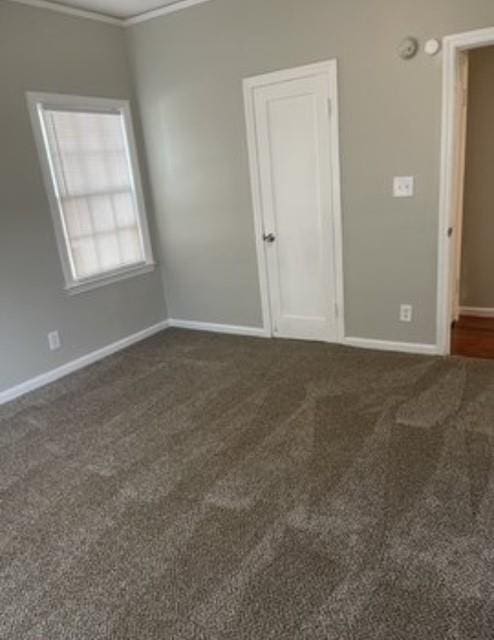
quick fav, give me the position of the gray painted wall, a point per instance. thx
(46, 51)
(477, 282)
(188, 69)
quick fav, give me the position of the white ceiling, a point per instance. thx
(118, 8)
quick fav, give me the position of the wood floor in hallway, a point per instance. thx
(473, 337)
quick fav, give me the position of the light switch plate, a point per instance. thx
(403, 186)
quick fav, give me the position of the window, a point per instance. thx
(88, 156)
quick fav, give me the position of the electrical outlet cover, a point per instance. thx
(54, 340)
(403, 186)
(406, 313)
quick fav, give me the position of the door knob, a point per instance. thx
(269, 238)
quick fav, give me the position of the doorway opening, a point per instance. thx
(473, 329)
(466, 255)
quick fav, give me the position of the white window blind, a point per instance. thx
(94, 187)
(90, 165)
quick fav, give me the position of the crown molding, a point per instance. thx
(71, 11)
(101, 17)
(163, 11)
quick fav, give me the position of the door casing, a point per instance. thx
(328, 68)
(454, 47)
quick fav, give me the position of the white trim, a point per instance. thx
(37, 102)
(110, 278)
(293, 73)
(256, 205)
(101, 17)
(362, 343)
(237, 330)
(79, 363)
(90, 358)
(71, 11)
(388, 345)
(162, 11)
(453, 46)
(479, 312)
(337, 206)
(71, 101)
(249, 85)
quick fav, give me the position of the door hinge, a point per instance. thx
(330, 107)
(336, 310)
(450, 232)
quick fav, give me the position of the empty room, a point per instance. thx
(246, 320)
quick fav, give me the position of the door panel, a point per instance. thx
(294, 157)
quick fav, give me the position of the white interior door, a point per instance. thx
(294, 155)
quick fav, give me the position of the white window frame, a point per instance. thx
(38, 101)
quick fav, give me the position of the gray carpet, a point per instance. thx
(224, 488)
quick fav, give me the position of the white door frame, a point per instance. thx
(249, 85)
(454, 46)
(461, 148)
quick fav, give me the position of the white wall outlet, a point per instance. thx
(54, 340)
(406, 313)
(403, 186)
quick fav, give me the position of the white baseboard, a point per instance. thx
(480, 312)
(362, 343)
(388, 345)
(79, 363)
(232, 329)
(260, 332)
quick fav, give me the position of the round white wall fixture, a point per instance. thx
(432, 47)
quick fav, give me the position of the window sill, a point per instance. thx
(109, 278)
